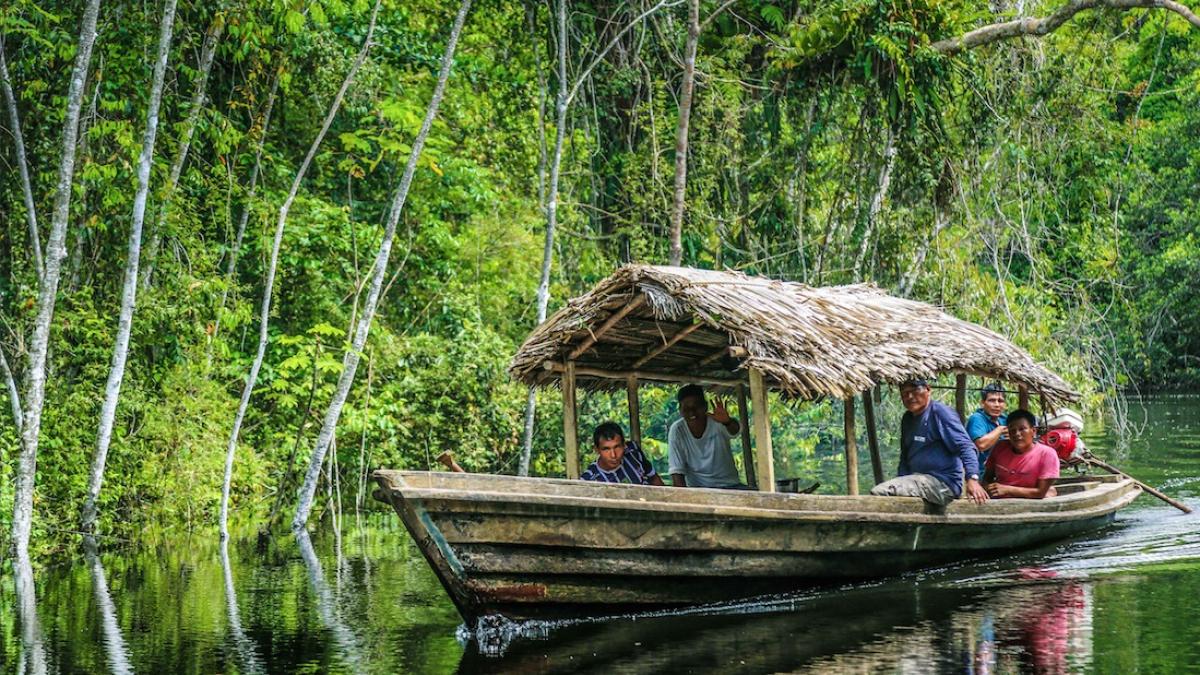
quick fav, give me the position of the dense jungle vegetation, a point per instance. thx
(1045, 187)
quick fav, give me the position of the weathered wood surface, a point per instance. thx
(519, 545)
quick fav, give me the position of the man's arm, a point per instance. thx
(986, 441)
(1039, 492)
(656, 480)
(678, 480)
(676, 462)
(954, 435)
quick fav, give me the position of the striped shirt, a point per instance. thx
(635, 469)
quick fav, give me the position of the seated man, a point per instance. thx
(700, 455)
(1020, 466)
(618, 461)
(986, 425)
(934, 450)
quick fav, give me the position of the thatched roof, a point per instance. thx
(809, 342)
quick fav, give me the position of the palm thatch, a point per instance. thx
(675, 323)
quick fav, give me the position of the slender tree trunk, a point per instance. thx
(876, 207)
(531, 397)
(112, 390)
(268, 287)
(560, 131)
(14, 395)
(211, 38)
(35, 239)
(681, 135)
(39, 344)
(351, 359)
(236, 249)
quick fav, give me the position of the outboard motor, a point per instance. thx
(1062, 434)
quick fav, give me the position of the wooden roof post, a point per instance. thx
(747, 451)
(1047, 409)
(1023, 397)
(872, 434)
(960, 395)
(570, 421)
(635, 411)
(764, 459)
(851, 448)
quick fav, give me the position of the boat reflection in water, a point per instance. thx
(1029, 622)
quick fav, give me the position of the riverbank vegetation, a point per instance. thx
(1042, 186)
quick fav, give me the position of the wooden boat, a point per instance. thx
(526, 547)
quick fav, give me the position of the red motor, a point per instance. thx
(1064, 441)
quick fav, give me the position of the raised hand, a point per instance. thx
(719, 413)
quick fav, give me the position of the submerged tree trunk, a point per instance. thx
(681, 136)
(35, 239)
(112, 390)
(211, 38)
(39, 344)
(351, 359)
(269, 285)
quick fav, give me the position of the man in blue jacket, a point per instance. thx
(935, 452)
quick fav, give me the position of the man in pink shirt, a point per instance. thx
(1021, 467)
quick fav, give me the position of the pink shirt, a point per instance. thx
(1023, 469)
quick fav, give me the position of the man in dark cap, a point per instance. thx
(934, 452)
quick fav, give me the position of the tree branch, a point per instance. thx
(1038, 27)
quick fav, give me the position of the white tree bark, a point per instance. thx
(116, 374)
(236, 249)
(211, 38)
(265, 312)
(681, 135)
(1038, 27)
(531, 397)
(351, 359)
(14, 396)
(39, 343)
(35, 239)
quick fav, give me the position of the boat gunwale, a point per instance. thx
(1099, 500)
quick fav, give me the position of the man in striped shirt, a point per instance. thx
(618, 461)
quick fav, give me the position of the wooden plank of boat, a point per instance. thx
(528, 547)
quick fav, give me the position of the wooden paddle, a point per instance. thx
(1097, 462)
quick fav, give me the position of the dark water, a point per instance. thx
(1120, 601)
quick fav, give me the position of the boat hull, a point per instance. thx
(532, 548)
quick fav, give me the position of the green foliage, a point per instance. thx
(1042, 189)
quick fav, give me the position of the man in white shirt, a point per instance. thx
(699, 453)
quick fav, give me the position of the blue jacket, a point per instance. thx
(936, 443)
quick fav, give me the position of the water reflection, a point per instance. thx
(114, 642)
(327, 605)
(243, 646)
(32, 657)
(1031, 625)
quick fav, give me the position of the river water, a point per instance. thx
(1119, 601)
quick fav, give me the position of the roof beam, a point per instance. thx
(604, 327)
(582, 371)
(732, 350)
(667, 345)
